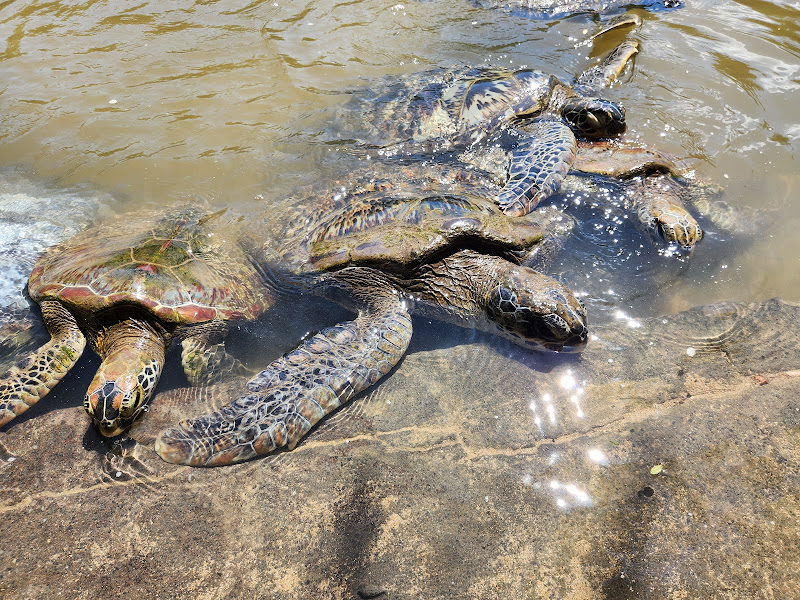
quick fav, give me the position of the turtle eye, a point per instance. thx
(132, 402)
(591, 122)
(584, 122)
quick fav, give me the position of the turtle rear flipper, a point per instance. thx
(628, 19)
(34, 376)
(205, 363)
(539, 164)
(603, 74)
(297, 390)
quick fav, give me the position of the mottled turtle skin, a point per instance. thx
(420, 239)
(657, 186)
(533, 116)
(130, 287)
(553, 9)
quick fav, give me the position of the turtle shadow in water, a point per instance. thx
(290, 320)
(293, 319)
(432, 335)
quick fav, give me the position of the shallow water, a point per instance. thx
(152, 102)
(156, 103)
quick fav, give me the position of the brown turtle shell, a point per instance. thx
(183, 267)
(409, 231)
(458, 104)
(398, 220)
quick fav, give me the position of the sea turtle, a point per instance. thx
(386, 246)
(658, 188)
(131, 286)
(657, 185)
(533, 116)
(553, 9)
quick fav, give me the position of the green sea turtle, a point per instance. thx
(658, 187)
(533, 116)
(386, 246)
(131, 286)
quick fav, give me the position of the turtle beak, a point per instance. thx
(106, 405)
(571, 346)
(109, 430)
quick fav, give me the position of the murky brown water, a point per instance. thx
(153, 102)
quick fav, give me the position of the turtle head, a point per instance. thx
(533, 310)
(594, 117)
(124, 382)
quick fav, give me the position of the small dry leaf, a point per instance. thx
(656, 469)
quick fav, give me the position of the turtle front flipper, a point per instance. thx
(628, 19)
(604, 73)
(655, 191)
(294, 392)
(539, 164)
(205, 363)
(30, 380)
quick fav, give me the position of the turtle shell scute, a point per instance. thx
(402, 230)
(183, 267)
